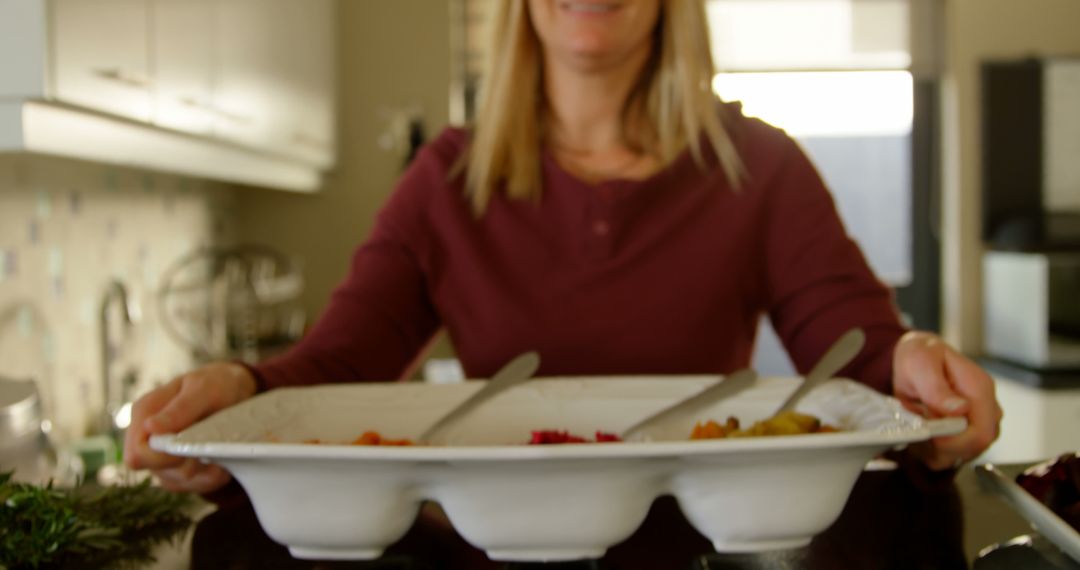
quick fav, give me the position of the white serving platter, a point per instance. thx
(1039, 515)
(542, 503)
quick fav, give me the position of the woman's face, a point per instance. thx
(593, 33)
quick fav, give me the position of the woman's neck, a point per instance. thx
(585, 106)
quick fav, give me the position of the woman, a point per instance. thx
(608, 212)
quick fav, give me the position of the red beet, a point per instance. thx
(552, 436)
(1057, 485)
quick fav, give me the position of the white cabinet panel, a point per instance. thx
(1038, 423)
(23, 45)
(1061, 137)
(308, 68)
(246, 80)
(274, 76)
(183, 54)
(101, 57)
(239, 90)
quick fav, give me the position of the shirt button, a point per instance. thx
(601, 228)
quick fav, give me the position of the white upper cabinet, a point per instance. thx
(238, 90)
(100, 58)
(307, 65)
(183, 53)
(275, 76)
(247, 83)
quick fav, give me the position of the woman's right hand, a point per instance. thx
(175, 406)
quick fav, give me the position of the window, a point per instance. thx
(835, 74)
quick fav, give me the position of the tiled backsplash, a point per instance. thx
(67, 229)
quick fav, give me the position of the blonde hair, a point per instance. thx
(674, 94)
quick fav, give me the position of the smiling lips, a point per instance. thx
(589, 7)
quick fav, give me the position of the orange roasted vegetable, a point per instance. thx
(374, 438)
(367, 438)
(784, 423)
(713, 430)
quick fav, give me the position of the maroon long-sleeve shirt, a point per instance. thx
(667, 275)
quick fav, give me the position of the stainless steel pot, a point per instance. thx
(24, 443)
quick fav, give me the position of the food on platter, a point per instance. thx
(784, 423)
(539, 437)
(1056, 484)
(369, 438)
(552, 436)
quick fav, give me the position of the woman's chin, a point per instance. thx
(591, 55)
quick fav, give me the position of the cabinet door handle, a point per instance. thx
(304, 139)
(125, 77)
(232, 117)
(196, 104)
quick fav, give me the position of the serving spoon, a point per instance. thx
(513, 373)
(731, 385)
(836, 358)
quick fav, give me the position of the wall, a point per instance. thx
(392, 57)
(67, 228)
(976, 30)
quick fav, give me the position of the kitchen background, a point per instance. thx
(68, 229)
(134, 132)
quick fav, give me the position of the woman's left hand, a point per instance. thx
(931, 378)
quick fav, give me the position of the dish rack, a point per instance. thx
(232, 303)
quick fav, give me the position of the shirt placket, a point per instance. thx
(600, 224)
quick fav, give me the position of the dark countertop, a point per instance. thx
(905, 519)
(1044, 379)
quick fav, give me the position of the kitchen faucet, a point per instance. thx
(116, 397)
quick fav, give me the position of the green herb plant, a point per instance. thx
(42, 527)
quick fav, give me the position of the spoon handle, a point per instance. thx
(726, 388)
(513, 373)
(838, 356)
